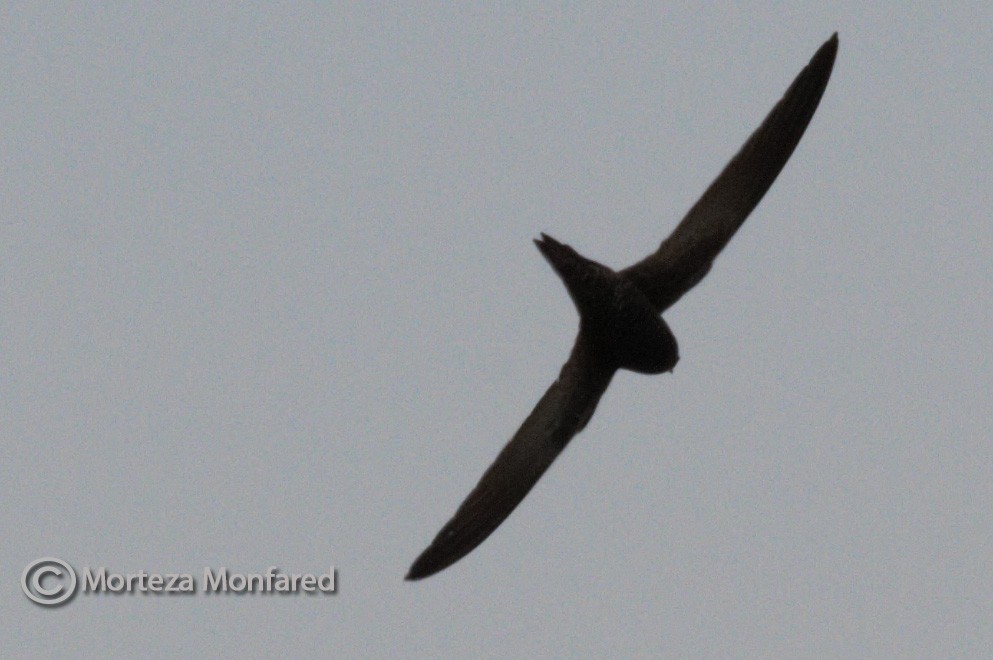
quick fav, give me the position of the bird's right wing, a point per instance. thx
(687, 254)
(560, 414)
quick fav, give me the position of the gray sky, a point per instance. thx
(269, 297)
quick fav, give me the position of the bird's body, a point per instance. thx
(614, 315)
(620, 323)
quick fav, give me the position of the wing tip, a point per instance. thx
(417, 572)
(429, 563)
(413, 576)
(827, 51)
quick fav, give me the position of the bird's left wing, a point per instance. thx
(561, 413)
(687, 254)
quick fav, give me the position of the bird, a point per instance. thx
(620, 316)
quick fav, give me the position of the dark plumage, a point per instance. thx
(620, 326)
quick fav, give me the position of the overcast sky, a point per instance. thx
(268, 297)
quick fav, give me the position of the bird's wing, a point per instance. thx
(561, 413)
(687, 254)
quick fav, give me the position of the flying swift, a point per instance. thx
(620, 322)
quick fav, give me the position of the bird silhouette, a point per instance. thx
(620, 322)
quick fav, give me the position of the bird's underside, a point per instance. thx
(620, 324)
